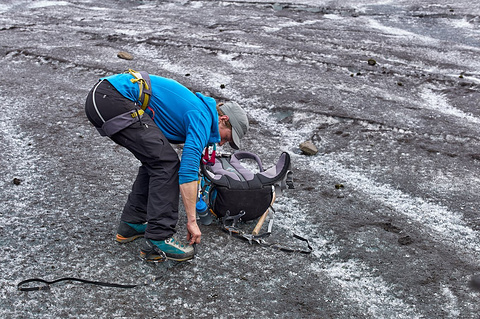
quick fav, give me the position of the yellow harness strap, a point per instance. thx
(144, 86)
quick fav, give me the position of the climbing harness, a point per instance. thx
(124, 120)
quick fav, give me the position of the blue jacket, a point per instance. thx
(182, 116)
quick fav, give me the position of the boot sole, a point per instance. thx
(119, 238)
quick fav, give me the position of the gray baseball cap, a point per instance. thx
(238, 119)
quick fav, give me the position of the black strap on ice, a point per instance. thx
(44, 285)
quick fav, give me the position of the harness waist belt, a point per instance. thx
(120, 122)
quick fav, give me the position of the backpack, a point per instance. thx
(233, 189)
(236, 193)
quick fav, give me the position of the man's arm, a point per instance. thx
(189, 196)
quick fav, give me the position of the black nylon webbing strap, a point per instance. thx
(45, 285)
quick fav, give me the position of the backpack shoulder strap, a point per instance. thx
(220, 172)
(228, 172)
(246, 173)
(279, 175)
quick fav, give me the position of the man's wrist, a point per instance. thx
(192, 221)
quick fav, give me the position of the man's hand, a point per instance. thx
(189, 196)
(194, 234)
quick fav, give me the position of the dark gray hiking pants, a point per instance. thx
(155, 192)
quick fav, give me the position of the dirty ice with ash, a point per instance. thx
(387, 90)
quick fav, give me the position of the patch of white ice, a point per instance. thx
(443, 223)
(439, 102)
(43, 4)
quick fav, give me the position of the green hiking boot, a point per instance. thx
(128, 232)
(159, 250)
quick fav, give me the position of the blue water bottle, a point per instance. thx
(203, 212)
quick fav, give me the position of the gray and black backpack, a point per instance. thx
(235, 189)
(238, 188)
